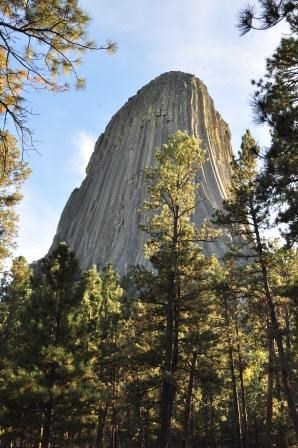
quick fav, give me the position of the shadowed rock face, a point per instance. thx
(101, 219)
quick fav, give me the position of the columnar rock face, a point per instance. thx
(101, 218)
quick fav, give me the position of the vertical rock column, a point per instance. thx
(101, 218)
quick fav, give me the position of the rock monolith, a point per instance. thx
(101, 218)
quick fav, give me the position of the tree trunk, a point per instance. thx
(167, 400)
(270, 389)
(114, 429)
(284, 367)
(171, 347)
(282, 436)
(102, 413)
(205, 415)
(285, 371)
(168, 388)
(236, 407)
(47, 424)
(288, 331)
(213, 436)
(187, 414)
(237, 419)
(146, 429)
(245, 439)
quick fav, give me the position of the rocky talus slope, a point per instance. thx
(101, 218)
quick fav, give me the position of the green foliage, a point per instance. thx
(40, 42)
(268, 14)
(245, 216)
(275, 103)
(61, 352)
(243, 208)
(87, 361)
(172, 189)
(13, 173)
(173, 249)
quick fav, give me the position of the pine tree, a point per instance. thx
(228, 303)
(15, 293)
(109, 359)
(245, 217)
(275, 104)
(39, 42)
(64, 354)
(268, 14)
(101, 326)
(50, 334)
(173, 251)
(13, 172)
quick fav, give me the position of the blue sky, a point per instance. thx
(154, 36)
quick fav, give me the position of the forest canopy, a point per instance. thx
(194, 352)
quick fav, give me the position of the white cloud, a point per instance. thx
(84, 144)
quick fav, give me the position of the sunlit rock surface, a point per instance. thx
(101, 218)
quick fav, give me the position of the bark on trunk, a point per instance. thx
(236, 407)
(187, 414)
(171, 347)
(213, 437)
(235, 399)
(102, 413)
(168, 388)
(245, 439)
(284, 367)
(47, 425)
(282, 435)
(167, 400)
(269, 389)
(114, 428)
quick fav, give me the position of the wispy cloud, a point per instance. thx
(84, 144)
